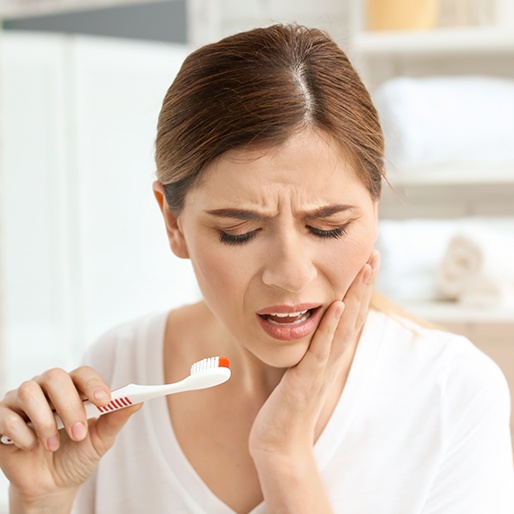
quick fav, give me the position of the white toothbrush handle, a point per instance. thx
(133, 394)
(119, 400)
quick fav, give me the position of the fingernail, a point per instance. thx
(375, 261)
(78, 431)
(53, 443)
(339, 311)
(101, 396)
(367, 275)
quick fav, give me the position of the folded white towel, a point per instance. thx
(437, 120)
(411, 251)
(478, 268)
(488, 292)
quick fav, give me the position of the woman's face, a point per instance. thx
(275, 236)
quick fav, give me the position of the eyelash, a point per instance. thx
(241, 239)
(334, 233)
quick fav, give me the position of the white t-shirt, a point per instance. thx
(422, 427)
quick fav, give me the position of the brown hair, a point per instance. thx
(259, 88)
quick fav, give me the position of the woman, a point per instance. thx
(269, 165)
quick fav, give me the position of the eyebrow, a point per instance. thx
(249, 215)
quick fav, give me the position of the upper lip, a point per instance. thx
(287, 309)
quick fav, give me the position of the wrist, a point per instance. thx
(293, 448)
(286, 462)
(291, 483)
(57, 503)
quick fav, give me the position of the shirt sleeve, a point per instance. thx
(476, 473)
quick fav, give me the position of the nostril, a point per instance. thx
(291, 279)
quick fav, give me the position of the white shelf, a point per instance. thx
(447, 175)
(29, 8)
(451, 312)
(482, 40)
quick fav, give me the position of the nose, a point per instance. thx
(289, 266)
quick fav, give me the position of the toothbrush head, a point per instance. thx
(210, 363)
(224, 362)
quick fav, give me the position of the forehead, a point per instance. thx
(309, 151)
(307, 171)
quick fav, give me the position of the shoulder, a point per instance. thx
(461, 372)
(400, 334)
(125, 347)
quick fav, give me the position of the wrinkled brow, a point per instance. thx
(249, 215)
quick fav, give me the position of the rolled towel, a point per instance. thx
(461, 263)
(488, 292)
(478, 268)
(411, 251)
(431, 121)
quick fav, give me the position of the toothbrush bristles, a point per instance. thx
(224, 362)
(209, 363)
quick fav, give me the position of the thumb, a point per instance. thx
(104, 430)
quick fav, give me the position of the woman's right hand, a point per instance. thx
(45, 466)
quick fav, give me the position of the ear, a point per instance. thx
(173, 229)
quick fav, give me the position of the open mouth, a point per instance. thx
(287, 318)
(290, 323)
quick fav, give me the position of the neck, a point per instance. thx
(249, 374)
(253, 375)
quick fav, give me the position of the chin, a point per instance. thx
(284, 357)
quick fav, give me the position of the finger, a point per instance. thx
(83, 383)
(103, 431)
(359, 295)
(15, 427)
(357, 301)
(32, 402)
(91, 385)
(319, 350)
(374, 262)
(366, 292)
(61, 390)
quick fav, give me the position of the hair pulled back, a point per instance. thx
(259, 88)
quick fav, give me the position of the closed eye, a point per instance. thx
(334, 233)
(241, 239)
(237, 239)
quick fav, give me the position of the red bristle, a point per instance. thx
(223, 362)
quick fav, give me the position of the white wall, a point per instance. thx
(83, 245)
(210, 20)
(35, 286)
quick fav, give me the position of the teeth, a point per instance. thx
(291, 318)
(288, 314)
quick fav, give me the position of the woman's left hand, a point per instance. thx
(291, 419)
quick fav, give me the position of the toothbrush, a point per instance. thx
(206, 373)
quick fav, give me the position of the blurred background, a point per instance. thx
(82, 245)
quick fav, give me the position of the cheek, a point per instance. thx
(351, 255)
(219, 275)
(210, 271)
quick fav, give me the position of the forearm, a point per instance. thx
(292, 485)
(56, 504)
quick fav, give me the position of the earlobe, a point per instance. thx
(171, 220)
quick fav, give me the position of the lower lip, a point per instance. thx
(292, 332)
